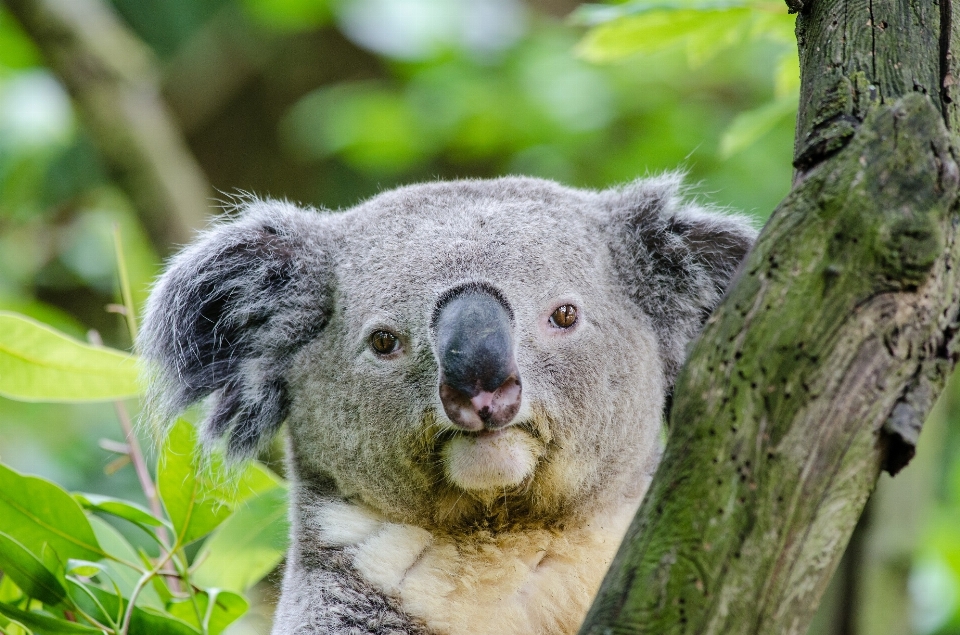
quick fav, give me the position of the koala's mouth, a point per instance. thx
(496, 478)
(490, 459)
(484, 434)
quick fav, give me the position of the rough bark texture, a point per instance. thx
(869, 593)
(113, 80)
(818, 368)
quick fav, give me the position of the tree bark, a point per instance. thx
(817, 370)
(114, 82)
(870, 587)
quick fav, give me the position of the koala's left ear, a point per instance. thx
(227, 317)
(675, 257)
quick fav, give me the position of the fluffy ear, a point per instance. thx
(675, 257)
(227, 316)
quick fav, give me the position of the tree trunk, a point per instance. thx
(870, 586)
(817, 370)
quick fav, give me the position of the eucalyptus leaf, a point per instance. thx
(119, 508)
(84, 568)
(38, 363)
(42, 623)
(226, 608)
(655, 31)
(258, 530)
(594, 14)
(125, 576)
(9, 627)
(53, 563)
(9, 592)
(35, 512)
(144, 620)
(191, 492)
(255, 480)
(28, 572)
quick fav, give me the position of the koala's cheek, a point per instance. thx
(501, 459)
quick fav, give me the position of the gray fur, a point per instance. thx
(228, 315)
(271, 314)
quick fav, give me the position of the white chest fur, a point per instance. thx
(538, 582)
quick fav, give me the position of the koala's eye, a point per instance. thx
(384, 342)
(564, 317)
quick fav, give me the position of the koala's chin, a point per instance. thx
(490, 460)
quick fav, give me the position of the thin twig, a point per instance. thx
(141, 583)
(129, 310)
(140, 466)
(94, 621)
(103, 610)
(136, 454)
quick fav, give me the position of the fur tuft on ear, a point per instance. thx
(227, 316)
(675, 257)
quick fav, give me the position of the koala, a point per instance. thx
(473, 377)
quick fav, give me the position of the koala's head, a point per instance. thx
(448, 354)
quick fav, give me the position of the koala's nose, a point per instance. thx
(479, 379)
(485, 409)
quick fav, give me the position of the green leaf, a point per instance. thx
(594, 14)
(9, 592)
(704, 32)
(191, 493)
(145, 621)
(35, 512)
(47, 314)
(44, 624)
(119, 508)
(749, 126)
(248, 546)
(125, 576)
(227, 607)
(52, 562)
(84, 568)
(257, 478)
(29, 573)
(9, 627)
(38, 363)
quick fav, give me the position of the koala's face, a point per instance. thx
(480, 358)
(450, 354)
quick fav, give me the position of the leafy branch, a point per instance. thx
(703, 29)
(64, 569)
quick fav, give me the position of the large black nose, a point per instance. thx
(479, 379)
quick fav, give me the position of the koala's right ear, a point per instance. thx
(675, 257)
(228, 315)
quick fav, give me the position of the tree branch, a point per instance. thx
(113, 80)
(816, 370)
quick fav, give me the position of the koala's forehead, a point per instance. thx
(529, 238)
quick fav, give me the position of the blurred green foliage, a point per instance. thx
(327, 102)
(67, 570)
